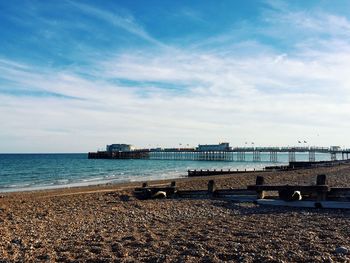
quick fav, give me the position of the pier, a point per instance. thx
(222, 152)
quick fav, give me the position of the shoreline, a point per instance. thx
(78, 185)
(74, 170)
(115, 186)
(191, 173)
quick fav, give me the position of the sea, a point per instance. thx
(27, 172)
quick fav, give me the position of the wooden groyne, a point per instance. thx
(319, 195)
(290, 167)
(317, 164)
(172, 191)
(193, 173)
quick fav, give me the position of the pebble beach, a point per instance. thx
(107, 224)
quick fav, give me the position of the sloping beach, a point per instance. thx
(107, 224)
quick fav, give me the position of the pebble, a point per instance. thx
(341, 250)
(124, 198)
(88, 228)
(43, 257)
(96, 250)
(118, 250)
(16, 241)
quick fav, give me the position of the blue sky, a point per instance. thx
(77, 75)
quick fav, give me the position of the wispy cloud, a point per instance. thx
(204, 93)
(125, 22)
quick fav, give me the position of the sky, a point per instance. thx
(77, 75)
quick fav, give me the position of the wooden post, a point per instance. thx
(211, 187)
(173, 184)
(321, 180)
(260, 181)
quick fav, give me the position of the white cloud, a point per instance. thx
(266, 96)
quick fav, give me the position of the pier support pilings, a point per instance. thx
(291, 156)
(273, 156)
(256, 156)
(312, 156)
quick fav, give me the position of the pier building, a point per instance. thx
(224, 146)
(120, 148)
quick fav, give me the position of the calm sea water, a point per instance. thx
(20, 172)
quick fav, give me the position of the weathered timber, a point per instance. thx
(305, 204)
(278, 202)
(304, 188)
(192, 193)
(319, 195)
(219, 192)
(339, 193)
(211, 187)
(260, 181)
(335, 204)
(148, 192)
(290, 192)
(237, 195)
(313, 164)
(193, 173)
(321, 180)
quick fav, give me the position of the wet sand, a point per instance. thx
(107, 224)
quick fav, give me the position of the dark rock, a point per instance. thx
(43, 257)
(341, 250)
(16, 241)
(124, 198)
(95, 250)
(118, 250)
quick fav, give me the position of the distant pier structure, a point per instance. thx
(216, 152)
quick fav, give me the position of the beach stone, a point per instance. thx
(341, 250)
(118, 250)
(16, 241)
(37, 244)
(327, 259)
(43, 257)
(124, 198)
(95, 250)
